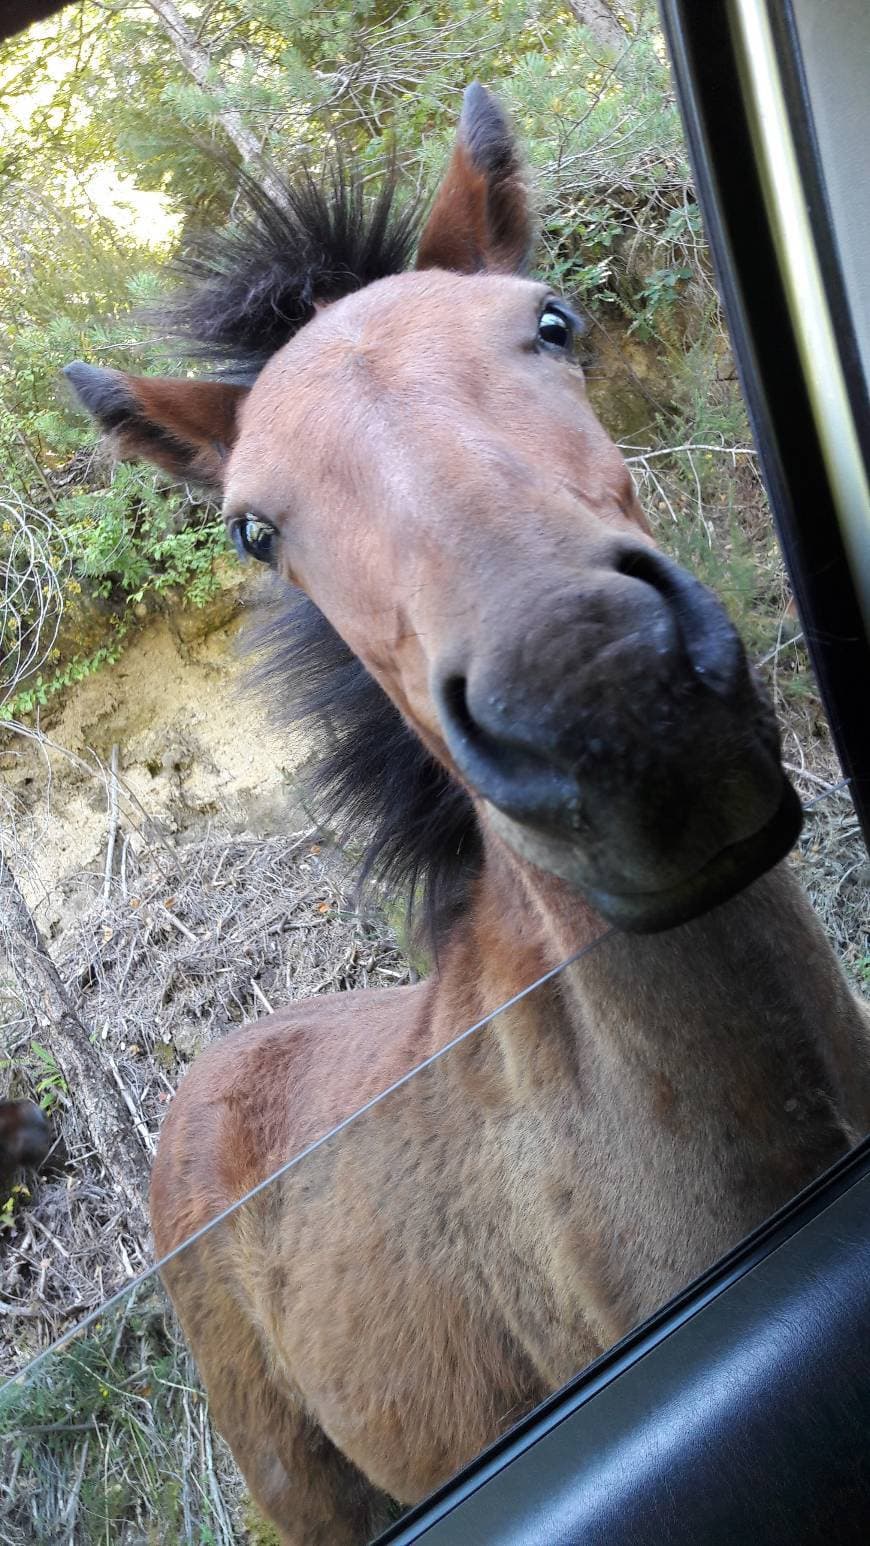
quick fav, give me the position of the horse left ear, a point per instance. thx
(481, 218)
(186, 427)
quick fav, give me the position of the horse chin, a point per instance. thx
(718, 879)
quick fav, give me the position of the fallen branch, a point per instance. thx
(113, 824)
(260, 995)
(99, 1103)
(139, 1122)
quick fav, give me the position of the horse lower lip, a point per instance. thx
(729, 872)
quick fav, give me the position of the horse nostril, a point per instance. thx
(478, 735)
(710, 642)
(499, 757)
(470, 742)
(454, 705)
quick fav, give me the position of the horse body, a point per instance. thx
(416, 453)
(467, 1245)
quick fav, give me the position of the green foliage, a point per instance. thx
(408, 937)
(259, 1532)
(17, 1198)
(107, 1422)
(658, 294)
(51, 1086)
(124, 538)
(137, 537)
(728, 565)
(44, 687)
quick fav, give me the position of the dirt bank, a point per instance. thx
(193, 750)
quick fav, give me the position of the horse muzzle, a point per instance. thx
(621, 742)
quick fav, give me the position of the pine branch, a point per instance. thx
(197, 62)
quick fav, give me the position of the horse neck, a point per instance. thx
(751, 974)
(719, 1066)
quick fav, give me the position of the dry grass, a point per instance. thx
(199, 939)
(34, 568)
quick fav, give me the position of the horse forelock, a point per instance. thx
(371, 779)
(244, 292)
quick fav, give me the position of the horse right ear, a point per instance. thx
(481, 218)
(186, 427)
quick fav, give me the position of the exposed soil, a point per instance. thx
(194, 750)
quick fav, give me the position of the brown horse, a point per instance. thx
(553, 725)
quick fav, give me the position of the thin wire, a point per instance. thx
(24, 1374)
(834, 788)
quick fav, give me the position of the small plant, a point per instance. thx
(18, 1195)
(51, 1087)
(118, 545)
(136, 538)
(40, 691)
(660, 293)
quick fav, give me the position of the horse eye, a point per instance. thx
(253, 536)
(555, 329)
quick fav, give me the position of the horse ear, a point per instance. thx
(186, 427)
(481, 217)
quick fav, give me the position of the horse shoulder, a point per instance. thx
(268, 1090)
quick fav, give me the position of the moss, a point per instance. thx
(259, 1531)
(396, 914)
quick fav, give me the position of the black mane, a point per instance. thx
(244, 293)
(371, 776)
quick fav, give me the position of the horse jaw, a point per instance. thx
(718, 878)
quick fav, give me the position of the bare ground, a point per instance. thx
(191, 747)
